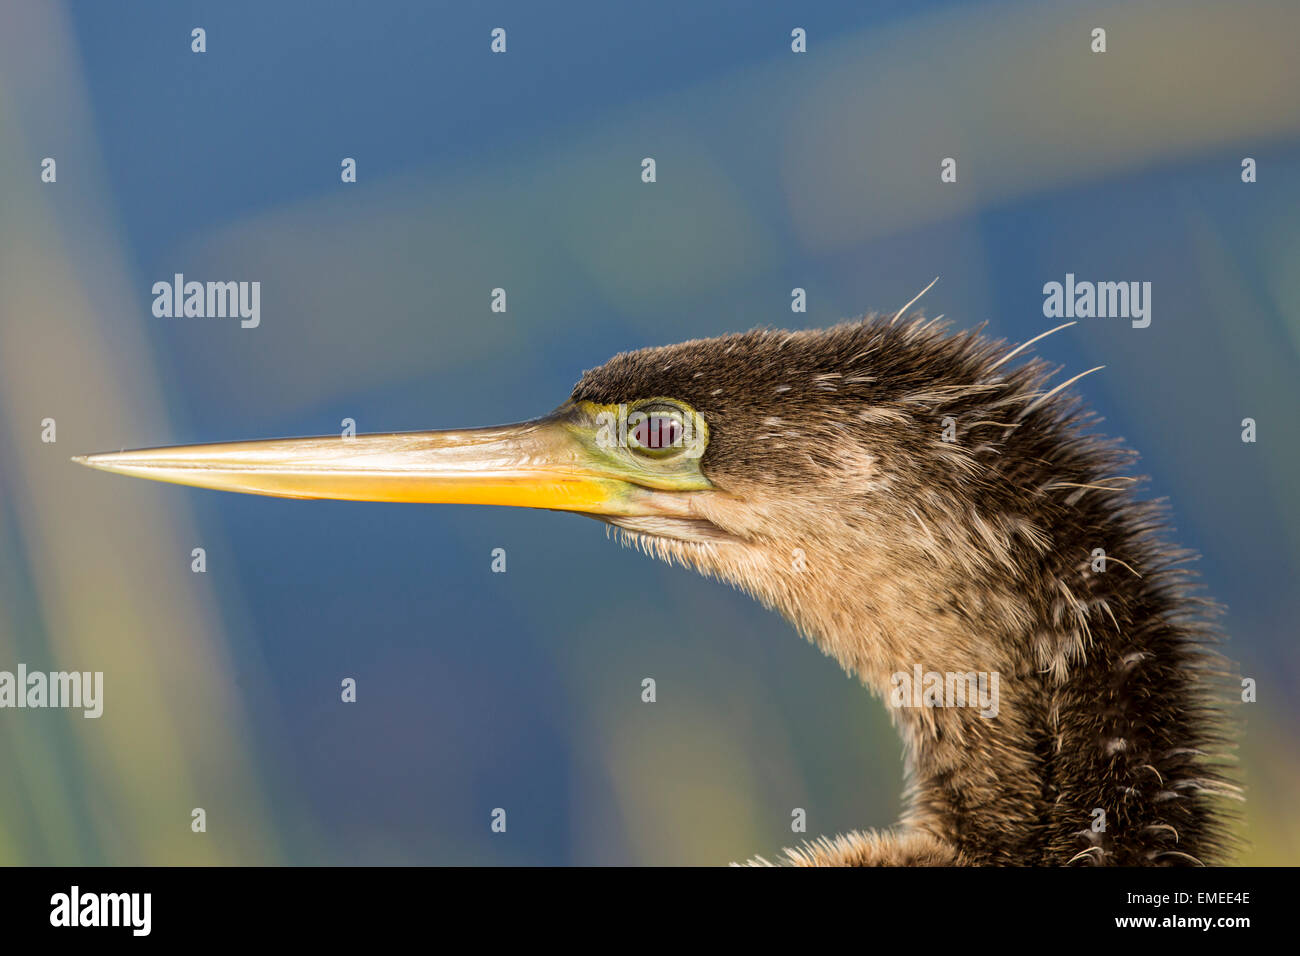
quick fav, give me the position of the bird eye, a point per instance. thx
(658, 430)
(655, 431)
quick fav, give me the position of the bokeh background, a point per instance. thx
(481, 690)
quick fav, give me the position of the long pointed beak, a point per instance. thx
(545, 463)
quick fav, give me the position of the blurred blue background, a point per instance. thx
(775, 170)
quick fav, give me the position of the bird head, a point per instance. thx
(879, 482)
(795, 465)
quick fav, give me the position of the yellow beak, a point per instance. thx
(551, 462)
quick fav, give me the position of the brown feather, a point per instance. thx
(970, 555)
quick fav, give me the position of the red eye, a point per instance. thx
(657, 431)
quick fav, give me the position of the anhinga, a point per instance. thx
(910, 502)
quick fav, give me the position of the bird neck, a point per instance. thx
(1050, 712)
(967, 702)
